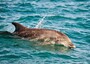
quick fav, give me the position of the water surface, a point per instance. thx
(71, 17)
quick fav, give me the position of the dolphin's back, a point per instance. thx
(46, 35)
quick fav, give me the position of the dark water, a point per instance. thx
(71, 17)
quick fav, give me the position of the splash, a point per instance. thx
(40, 22)
(7, 27)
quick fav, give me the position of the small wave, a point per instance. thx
(51, 55)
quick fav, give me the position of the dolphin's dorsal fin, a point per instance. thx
(18, 27)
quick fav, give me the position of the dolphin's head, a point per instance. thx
(65, 41)
(68, 44)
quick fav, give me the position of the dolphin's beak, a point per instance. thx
(72, 46)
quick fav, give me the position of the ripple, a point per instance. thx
(9, 56)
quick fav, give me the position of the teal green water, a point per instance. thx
(71, 17)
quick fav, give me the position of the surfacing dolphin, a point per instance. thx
(46, 36)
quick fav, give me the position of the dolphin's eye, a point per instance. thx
(70, 44)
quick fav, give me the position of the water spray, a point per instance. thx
(40, 22)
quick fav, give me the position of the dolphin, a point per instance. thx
(46, 36)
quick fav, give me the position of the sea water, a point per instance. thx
(71, 17)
